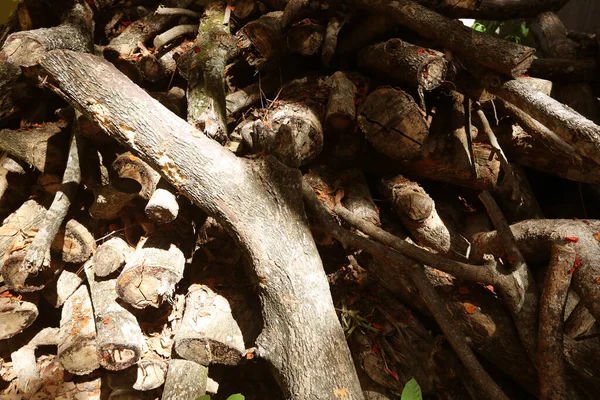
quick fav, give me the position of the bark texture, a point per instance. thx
(190, 161)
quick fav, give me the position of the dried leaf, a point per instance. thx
(470, 308)
(571, 239)
(597, 236)
(463, 290)
(341, 393)
(392, 373)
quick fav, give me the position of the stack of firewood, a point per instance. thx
(159, 161)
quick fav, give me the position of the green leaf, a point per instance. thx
(412, 391)
(238, 396)
(203, 397)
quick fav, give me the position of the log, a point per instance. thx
(330, 39)
(110, 256)
(341, 108)
(151, 272)
(496, 10)
(15, 181)
(504, 57)
(154, 67)
(563, 69)
(261, 42)
(393, 123)
(15, 315)
(77, 335)
(190, 161)
(174, 100)
(140, 31)
(364, 33)
(208, 333)
(545, 155)
(252, 94)
(59, 290)
(206, 80)
(173, 34)
(572, 127)
(405, 63)
(535, 237)
(305, 38)
(186, 380)
(109, 202)
(419, 215)
(42, 147)
(38, 253)
(151, 372)
(9, 74)
(118, 335)
(25, 364)
(550, 360)
(75, 33)
(162, 207)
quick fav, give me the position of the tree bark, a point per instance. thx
(490, 51)
(270, 228)
(77, 335)
(208, 333)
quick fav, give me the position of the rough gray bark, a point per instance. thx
(38, 253)
(255, 199)
(41, 146)
(493, 9)
(432, 299)
(524, 306)
(405, 63)
(208, 332)
(550, 361)
(488, 50)
(419, 215)
(341, 108)
(186, 380)
(206, 76)
(77, 335)
(25, 363)
(330, 39)
(535, 238)
(110, 256)
(118, 335)
(15, 315)
(393, 123)
(151, 272)
(75, 33)
(140, 31)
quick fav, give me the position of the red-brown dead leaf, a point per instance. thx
(490, 288)
(597, 236)
(597, 280)
(470, 308)
(341, 393)
(106, 320)
(375, 348)
(571, 239)
(392, 373)
(377, 326)
(577, 262)
(463, 290)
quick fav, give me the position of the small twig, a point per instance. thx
(468, 125)
(476, 273)
(37, 256)
(508, 172)
(177, 11)
(521, 294)
(172, 34)
(550, 359)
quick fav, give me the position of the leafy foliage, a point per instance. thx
(351, 319)
(412, 391)
(237, 396)
(514, 31)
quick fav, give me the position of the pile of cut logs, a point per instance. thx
(302, 199)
